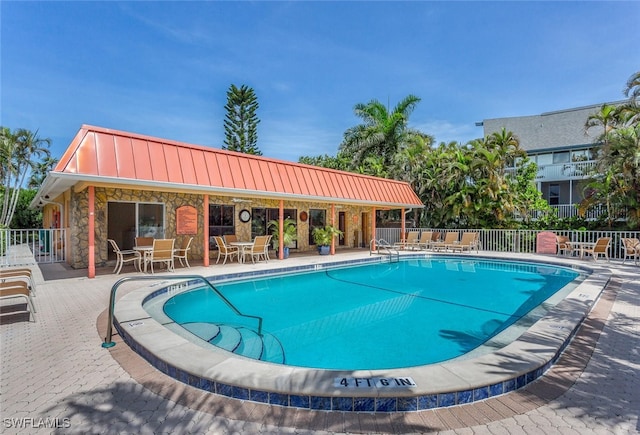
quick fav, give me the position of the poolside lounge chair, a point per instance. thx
(17, 289)
(468, 242)
(631, 249)
(125, 256)
(564, 245)
(224, 249)
(425, 240)
(601, 247)
(162, 252)
(259, 249)
(19, 274)
(183, 251)
(410, 242)
(450, 239)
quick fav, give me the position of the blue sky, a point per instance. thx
(163, 68)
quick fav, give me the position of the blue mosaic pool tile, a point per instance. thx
(480, 393)
(521, 381)
(182, 376)
(207, 385)
(171, 371)
(428, 402)
(386, 404)
(446, 399)
(531, 376)
(279, 399)
(320, 403)
(464, 397)
(259, 396)
(364, 404)
(240, 393)
(407, 404)
(299, 401)
(342, 403)
(509, 385)
(496, 389)
(224, 389)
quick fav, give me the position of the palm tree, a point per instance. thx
(20, 153)
(382, 133)
(40, 172)
(632, 90)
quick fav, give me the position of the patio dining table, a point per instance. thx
(242, 248)
(582, 246)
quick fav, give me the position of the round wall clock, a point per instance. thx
(245, 215)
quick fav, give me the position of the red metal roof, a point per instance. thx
(103, 155)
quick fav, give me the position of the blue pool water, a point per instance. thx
(383, 315)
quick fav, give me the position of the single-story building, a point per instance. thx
(111, 184)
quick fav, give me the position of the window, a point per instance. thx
(151, 220)
(221, 220)
(562, 157)
(554, 194)
(262, 216)
(317, 219)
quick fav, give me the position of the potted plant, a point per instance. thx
(322, 236)
(289, 234)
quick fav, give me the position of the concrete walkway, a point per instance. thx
(56, 378)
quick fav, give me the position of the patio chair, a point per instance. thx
(450, 239)
(144, 241)
(125, 256)
(182, 252)
(18, 289)
(224, 249)
(601, 247)
(230, 238)
(19, 274)
(259, 249)
(631, 249)
(162, 252)
(564, 245)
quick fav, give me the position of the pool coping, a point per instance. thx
(442, 385)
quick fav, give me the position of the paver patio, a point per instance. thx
(55, 376)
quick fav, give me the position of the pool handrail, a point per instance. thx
(377, 244)
(112, 300)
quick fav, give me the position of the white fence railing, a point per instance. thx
(520, 241)
(42, 245)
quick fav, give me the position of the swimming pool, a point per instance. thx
(508, 361)
(376, 316)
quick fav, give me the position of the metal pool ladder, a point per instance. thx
(112, 300)
(382, 247)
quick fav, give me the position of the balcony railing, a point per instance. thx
(565, 171)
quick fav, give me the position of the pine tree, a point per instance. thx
(241, 122)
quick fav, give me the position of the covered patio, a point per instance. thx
(117, 185)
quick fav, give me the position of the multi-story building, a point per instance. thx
(563, 150)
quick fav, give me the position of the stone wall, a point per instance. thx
(79, 220)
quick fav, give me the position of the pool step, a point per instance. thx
(240, 340)
(228, 338)
(251, 344)
(206, 331)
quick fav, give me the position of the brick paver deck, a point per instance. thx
(55, 377)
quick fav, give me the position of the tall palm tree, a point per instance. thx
(632, 90)
(21, 151)
(382, 133)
